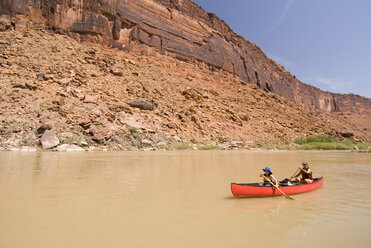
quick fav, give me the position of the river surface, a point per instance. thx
(179, 199)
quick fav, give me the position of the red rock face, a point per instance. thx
(177, 28)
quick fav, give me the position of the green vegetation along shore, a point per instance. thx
(326, 143)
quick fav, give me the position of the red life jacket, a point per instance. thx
(306, 176)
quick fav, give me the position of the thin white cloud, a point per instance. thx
(331, 84)
(282, 16)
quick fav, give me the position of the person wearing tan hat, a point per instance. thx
(305, 173)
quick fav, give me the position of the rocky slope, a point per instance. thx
(177, 28)
(66, 92)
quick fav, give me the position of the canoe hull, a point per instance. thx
(241, 190)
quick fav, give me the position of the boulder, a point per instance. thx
(13, 141)
(43, 128)
(91, 99)
(41, 76)
(5, 23)
(19, 85)
(132, 62)
(192, 94)
(64, 82)
(84, 142)
(161, 144)
(20, 25)
(69, 148)
(117, 107)
(29, 139)
(134, 123)
(14, 149)
(146, 142)
(84, 123)
(141, 105)
(59, 101)
(30, 86)
(345, 135)
(49, 139)
(28, 149)
(37, 26)
(117, 72)
(100, 134)
(76, 93)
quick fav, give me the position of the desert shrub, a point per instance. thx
(133, 130)
(75, 139)
(181, 146)
(210, 147)
(325, 146)
(313, 139)
(366, 146)
(349, 142)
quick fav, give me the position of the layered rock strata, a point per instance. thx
(178, 28)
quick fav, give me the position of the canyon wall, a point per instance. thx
(177, 28)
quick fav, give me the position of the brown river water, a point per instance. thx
(179, 199)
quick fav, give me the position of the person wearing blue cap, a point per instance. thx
(305, 173)
(268, 175)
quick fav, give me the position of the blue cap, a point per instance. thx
(267, 169)
(304, 163)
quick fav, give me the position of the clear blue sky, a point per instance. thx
(325, 43)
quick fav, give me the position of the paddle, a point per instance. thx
(286, 196)
(295, 172)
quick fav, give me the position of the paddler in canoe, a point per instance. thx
(268, 175)
(305, 173)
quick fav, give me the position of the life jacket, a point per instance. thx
(265, 178)
(306, 176)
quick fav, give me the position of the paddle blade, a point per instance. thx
(289, 197)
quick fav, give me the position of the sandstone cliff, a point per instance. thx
(60, 92)
(181, 74)
(179, 28)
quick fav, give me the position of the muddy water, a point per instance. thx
(179, 199)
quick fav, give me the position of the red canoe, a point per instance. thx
(241, 190)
